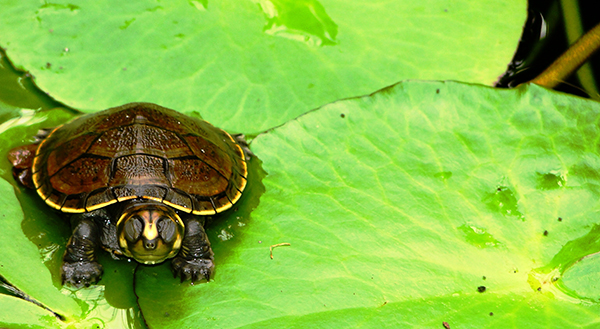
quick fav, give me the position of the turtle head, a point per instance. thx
(150, 232)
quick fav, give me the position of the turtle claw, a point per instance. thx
(81, 274)
(194, 269)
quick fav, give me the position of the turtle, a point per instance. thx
(138, 180)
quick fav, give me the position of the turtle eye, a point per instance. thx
(166, 229)
(133, 229)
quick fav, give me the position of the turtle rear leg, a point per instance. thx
(241, 140)
(195, 259)
(22, 159)
(80, 267)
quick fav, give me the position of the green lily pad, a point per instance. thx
(247, 66)
(417, 205)
(18, 313)
(32, 243)
(15, 246)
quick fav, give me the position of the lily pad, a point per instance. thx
(18, 313)
(247, 66)
(15, 246)
(32, 244)
(417, 205)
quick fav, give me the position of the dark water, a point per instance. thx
(544, 39)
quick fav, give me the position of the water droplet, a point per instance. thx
(478, 237)
(304, 20)
(503, 201)
(550, 181)
(443, 175)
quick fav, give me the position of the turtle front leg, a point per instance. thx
(80, 267)
(195, 259)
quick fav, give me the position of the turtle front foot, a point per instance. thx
(81, 274)
(193, 269)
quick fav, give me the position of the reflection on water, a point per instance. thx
(302, 20)
(200, 5)
(101, 314)
(26, 118)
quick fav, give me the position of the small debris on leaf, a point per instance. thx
(277, 245)
(446, 325)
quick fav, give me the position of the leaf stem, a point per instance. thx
(570, 60)
(574, 30)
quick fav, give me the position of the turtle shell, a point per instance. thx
(139, 150)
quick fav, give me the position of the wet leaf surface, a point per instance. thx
(33, 241)
(397, 211)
